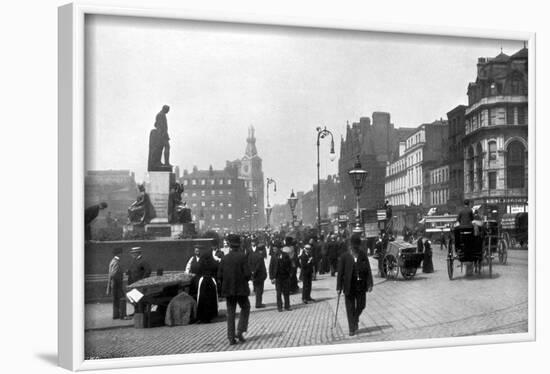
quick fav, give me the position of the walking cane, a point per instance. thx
(336, 314)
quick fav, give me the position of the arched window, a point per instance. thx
(471, 169)
(479, 166)
(515, 165)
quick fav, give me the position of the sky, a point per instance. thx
(219, 79)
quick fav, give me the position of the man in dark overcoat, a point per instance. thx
(91, 213)
(307, 262)
(233, 275)
(138, 269)
(259, 273)
(114, 285)
(333, 249)
(355, 279)
(280, 268)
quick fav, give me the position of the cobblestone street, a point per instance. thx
(428, 306)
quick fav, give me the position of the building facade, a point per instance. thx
(374, 144)
(455, 157)
(437, 188)
(218, 198)
(495, 140)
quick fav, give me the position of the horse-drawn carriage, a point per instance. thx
(401, 257)
(474, 244)
(514, 229)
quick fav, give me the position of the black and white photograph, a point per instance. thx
(253, 187)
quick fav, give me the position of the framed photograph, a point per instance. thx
(271, 187)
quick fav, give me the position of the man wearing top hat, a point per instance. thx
(114, 285)
(234, 274)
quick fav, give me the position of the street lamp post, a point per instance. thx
(321, 133)
(357, 176)
(292, 201)
(268, 208)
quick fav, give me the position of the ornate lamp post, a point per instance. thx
(321, 133)
(292, 201)
(357, 176)
(268, 208)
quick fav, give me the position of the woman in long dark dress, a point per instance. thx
(427, 264)
(207, 295)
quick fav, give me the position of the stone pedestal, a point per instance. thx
(157, 187)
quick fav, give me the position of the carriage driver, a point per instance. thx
(465, 219)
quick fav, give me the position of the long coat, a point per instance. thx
(280, 266)
(306, 263)
(234, 274)
(257, 266)
(354, 282)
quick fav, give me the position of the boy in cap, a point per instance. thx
(234, 274)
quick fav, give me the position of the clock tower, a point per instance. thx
(250, 171)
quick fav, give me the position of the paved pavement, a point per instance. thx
(427, 306)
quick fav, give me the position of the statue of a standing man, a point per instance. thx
(161, 124)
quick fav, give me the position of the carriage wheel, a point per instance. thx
(390, 266)
(408, 273)
(450, 268)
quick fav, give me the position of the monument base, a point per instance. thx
(160, 230)
(157, 186)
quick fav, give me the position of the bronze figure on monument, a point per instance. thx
(141, 211)
(159, 141)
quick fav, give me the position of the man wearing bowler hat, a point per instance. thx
(234, 274)
(138, 269)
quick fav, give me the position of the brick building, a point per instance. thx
(217, 198)
(374, 144)
(495, 140)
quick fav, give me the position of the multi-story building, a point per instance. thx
(437, 188)
(495, 140)
(116, 187)
(374, 144)
(329, 201)
(405, 180)
(455, 157)
(217, 198)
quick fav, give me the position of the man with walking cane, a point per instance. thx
(355, 279)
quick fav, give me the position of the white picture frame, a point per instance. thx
(71, 186)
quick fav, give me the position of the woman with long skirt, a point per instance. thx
(207, 295)
(427, 264)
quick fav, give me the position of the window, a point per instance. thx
(203, 182)
(185, 182)
(194, 218)
(221, 204)
(229, 193)
(470, 169)
(194, 182)
(203, 203)
(492, 180)
(213, 217)
(229, 181)
(229, 205)
(221, 192)
(479, 166)
(221, 216)
(492, 151)
(230, 216)
(220, 181)
(194, 205)
(213, 204)
(194, 194)
(510, 115)
(212, 182)
(203, 193)
(515, 168)
(521, 116)
(515, 86)
(212, 192)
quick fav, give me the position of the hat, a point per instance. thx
(234, 240)
(135, 250)
(355, 240)
(307, 246)
(289, 240)
(278, 244)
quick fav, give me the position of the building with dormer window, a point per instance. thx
(495, 139)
